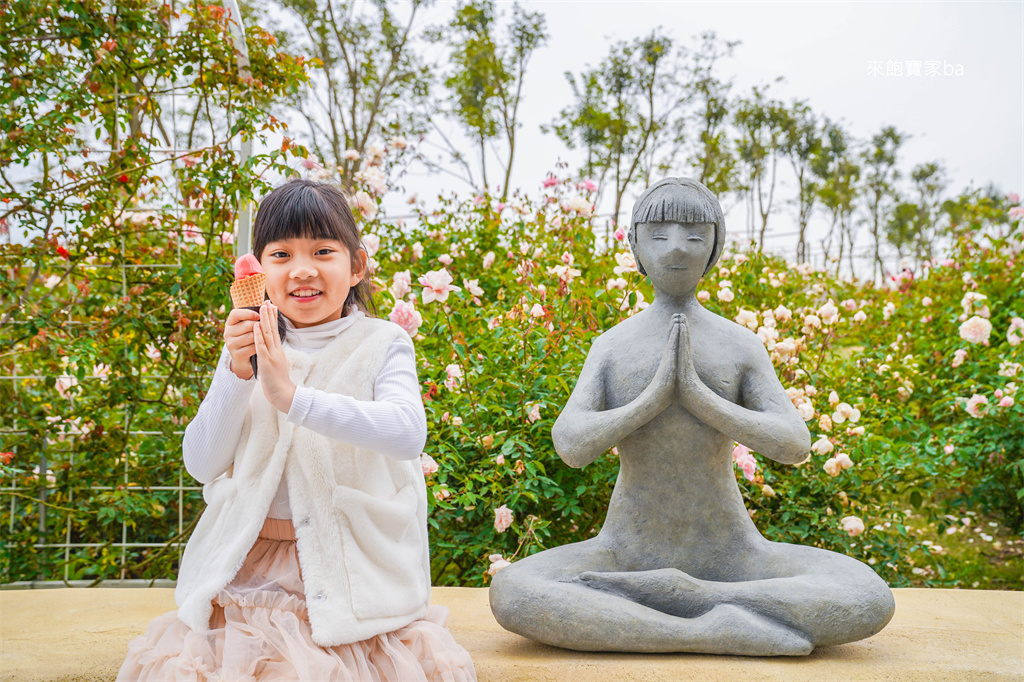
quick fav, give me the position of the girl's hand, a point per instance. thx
(687, 381)
(277, 385)
(238, 338)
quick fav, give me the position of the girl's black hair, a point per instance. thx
(305, 209)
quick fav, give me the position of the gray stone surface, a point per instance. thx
(678, 564)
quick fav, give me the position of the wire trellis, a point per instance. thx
(181, 486)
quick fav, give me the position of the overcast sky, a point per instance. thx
(972, 119)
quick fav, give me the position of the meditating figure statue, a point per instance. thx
(678, 564)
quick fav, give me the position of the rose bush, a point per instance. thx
(869, 368)
(910, 391)
(117, 216)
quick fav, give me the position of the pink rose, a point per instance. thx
(1013, 198)
(626, 263)
(454, 372)
(498, 562)
(976, 330)
(502, 518)
(488, 259)
(843, 412)
(64, 384)
(832, 467)
(365, 204)
(744, 459)
(1017, 212)
(371, 243)
(534, 412)
(948, 449)
(977, 405)
(401, 284)
(782, 313)
(405, 315)
(1016, 325)
(958, 357)
(852, 525)
(428, 464)
(829, 313)
(437, 284)
(549, 181)
(620, 234)
(822, 446)
(1006, 401)
(589, 185)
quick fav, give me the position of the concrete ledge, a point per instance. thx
(82, 634)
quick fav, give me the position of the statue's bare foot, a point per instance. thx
(668, 590)
(711, 625)
(736, 630)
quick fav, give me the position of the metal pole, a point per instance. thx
(243, 226)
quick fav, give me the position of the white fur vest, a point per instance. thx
(360, 517)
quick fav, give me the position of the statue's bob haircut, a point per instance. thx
(678, 200)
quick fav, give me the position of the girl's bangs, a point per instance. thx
(302, 210)
(307, 218)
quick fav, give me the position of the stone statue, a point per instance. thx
(678, 564)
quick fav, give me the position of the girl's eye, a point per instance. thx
(324, 251)
(279, 254)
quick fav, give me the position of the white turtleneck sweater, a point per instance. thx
(393, 423)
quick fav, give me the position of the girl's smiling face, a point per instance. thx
(309, 279)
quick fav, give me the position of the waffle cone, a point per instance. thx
(249, 291)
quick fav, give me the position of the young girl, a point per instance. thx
(310, 561)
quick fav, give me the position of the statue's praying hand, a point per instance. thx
(678, 564)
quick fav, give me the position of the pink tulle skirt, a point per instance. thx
(260, 631)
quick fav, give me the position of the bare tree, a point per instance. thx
(373, 84)
(486, 81)
(880, 177)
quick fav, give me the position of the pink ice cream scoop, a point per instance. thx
(249, 291)
(247, 265)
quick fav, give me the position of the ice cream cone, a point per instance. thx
(249, 291)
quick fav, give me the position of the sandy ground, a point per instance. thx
(80, 634)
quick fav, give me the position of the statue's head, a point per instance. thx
(678, 200)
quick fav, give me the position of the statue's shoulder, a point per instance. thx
(729, 334)
(622, 334)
